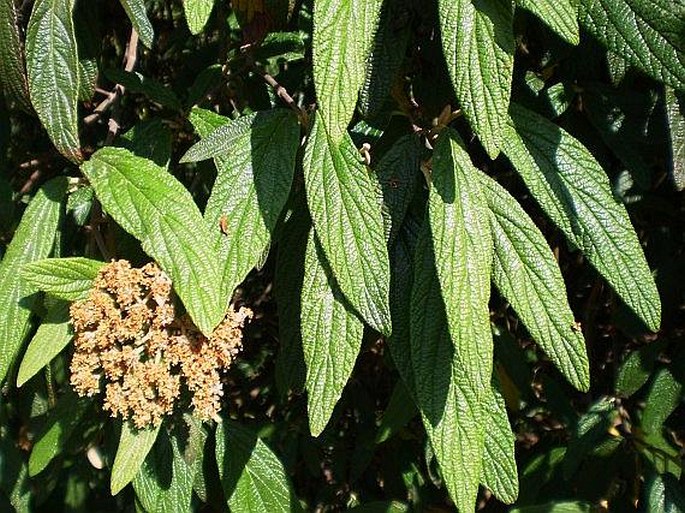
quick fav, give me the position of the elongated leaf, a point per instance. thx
(675, 111)
(556, 507)
(66, 278)
(255, 161)
(134, 446)
(150, 139)
(52, 65)
(164, 483)
(382, 507)
(155, 208)
(637, 367)
(197, 13)
(32, 241)
(61, 423)
(574, 191)
(253, 478)
(560, 15)
(13, 79)
(345, 203)
(343, 38)
(478, 43)
(647, 33)
(52, 336)
(331, 337)
(664, 396)
(399, 412)
(136, 12)
(664, 494)
(499, 461)
(451, 341)
(528, 276)
(135, 82)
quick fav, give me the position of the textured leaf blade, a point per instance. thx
(648, 34)
(675, 112)
(12, 65)
(66, 278)
(52, 64)
(331, 337)
(345, 203)
(32, 241)
(664, 494)
(197, 13)
(137, 13)
(451, 341)
(155, 208)
(560, 15)
(253, 478)
(50, 339)
(528, 276)
(556, 507)
(499, 461)
(478, 43)
(134, 446)
(663, 397)
(255, 161)
(342, 40)
(574, 191)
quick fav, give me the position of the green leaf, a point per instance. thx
(52, 336)
(52, 64)
(556, 507)
(32, 241)
(499, 461)
(345, 202)
(61, 423)
(164, 483)
(664, 494)
(382, 507)
(647, 33)
(197, 13)
(675, 113)
(342, 40)
(154, 207)
(574, 191)
(66, 278)
(150, 139)
(397, 414)
(331, 337)
(478, 43)
(134, 446)
(636, 369)
(253, 478)
(135, 82)
(665, 393)
(13, 79)
(136, 12)
(79, 203)
(560, 15)
(255, 161)
(451, 341)
(529, 278)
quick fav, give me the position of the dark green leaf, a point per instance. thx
(675, 111)
(151, 140)
(13, 79)
(155, 208)
(560, 15)
(66, 278)
(574, 191)
(253, 478)
(664, 395)
(136, 12)
(32, 241)
(345, 203)
(635, 370)
(135, 82)
(478, 43)
(556, 507)
(399, 412)
(382, 507)
(79, 204)
(134, 446)
(664, 494)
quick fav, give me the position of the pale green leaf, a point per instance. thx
(66, 278)
(154, 207)
(647, 33)
(253, 478)
(345, 202)
(342, 40)
(255, 161)
(197, 13)
(451, 341)
(13, 79)
(164, 483)
(529, 278)
(136, 12)
(61, 423)
(52, 64)
(574, 191)
(52, 336)
(499, 460)
(32, 241)
(134, 446)
(331, 337)
(478, 44)
(675, 112)
(560, 15)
